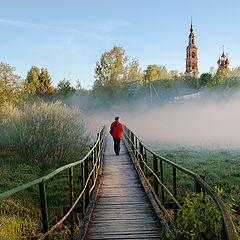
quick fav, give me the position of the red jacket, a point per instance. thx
(117, 132)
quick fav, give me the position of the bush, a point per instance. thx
(47, 133)
(199, 218)
(18, 220)
(8, 112)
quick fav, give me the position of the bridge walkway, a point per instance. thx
(122, 210)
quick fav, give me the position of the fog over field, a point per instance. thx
(207, 124)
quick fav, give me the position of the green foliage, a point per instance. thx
(155, 72)
(44, 85)
(46, 133)
(64, 88)
(18, 220)
(32, 79)
(205, 79)
(33, 74)
(11, 88)
(20, 216)
(111, 69)
(199, 218)
(114, 68)
(8, 113)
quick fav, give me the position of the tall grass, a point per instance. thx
(43, 133)
(35, 140)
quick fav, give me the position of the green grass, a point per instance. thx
(20, 215)
(221, 168)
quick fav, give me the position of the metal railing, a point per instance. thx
(141, 153)
(89, 169)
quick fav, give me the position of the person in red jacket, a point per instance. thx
(117, 129)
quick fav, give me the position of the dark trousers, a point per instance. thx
(117, 145)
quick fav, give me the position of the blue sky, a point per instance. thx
(68, 37)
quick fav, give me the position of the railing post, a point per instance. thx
(83, 184)
(71, 200)
(223, 235)
(133, 143)
(155, 169)
(90, 165)
(98, 153)
(136, 146)
(161, 178)
(197, 186)
(87, 187)
(142, 157)
(94, 157)
(81, 188)
(43, 203)
(146, 161)
(175, 191)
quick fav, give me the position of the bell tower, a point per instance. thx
(191, 59)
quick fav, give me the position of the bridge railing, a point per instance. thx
(89, 169)
(142, 155)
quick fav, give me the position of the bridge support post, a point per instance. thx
(146, 161)
(91, 164)
(155, 169)
(136, 147)
(94, 159)
(224, 234)
(81, 188)
(43, 203)
(87, 187)
(133, 143)
(71, 201)
(197, 186)
(142, 156)
(175, 191)
(161, 178)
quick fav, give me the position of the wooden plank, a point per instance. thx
(122, 210)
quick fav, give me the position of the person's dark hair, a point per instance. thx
(117, 118)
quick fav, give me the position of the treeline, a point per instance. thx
(117, 81)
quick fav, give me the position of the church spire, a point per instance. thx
(191, 29)
(223, 54)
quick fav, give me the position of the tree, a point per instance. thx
(33, 75)
(134, 72)
(10, 84)
(44, 81)
(219, 76)
(114, 68)
(31, 83)
(205, 79)
(156, 72)
(111, 69)
(65, 88)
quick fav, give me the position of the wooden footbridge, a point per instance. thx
(122, 209)
(120, 197)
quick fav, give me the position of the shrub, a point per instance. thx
(199, 218)
(18, 220)
(8, 112)
(47, 133)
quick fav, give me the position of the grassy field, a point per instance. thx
(20, 215)
(221, 168)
